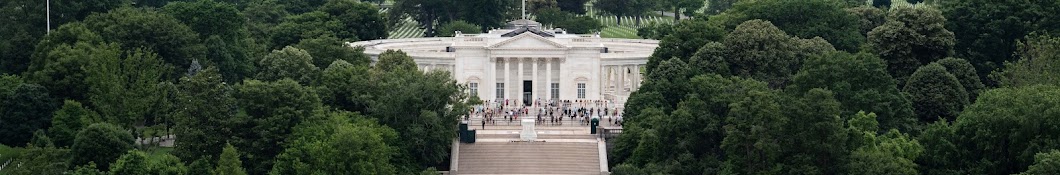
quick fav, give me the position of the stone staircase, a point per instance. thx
(578, 154)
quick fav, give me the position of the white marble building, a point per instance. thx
(523, 62)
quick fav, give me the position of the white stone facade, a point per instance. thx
(530, 64)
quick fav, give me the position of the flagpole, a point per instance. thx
(48, 5)
(524, 9)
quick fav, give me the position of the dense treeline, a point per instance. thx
(246, 87)
(841, 87)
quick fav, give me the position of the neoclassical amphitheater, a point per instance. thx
(524, 62)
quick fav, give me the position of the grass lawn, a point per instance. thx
(8, 153)
(155, 153)
(408, 28)
(619, 32)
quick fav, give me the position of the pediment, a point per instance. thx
(528, 41)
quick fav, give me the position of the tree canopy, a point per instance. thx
(987, 32)
(804, 19)
(911, 37)
(101, 144)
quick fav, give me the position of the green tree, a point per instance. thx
(572, 6)
(346, 142)
(681, 7)
(804, 19)
(205, 119)
(326, 50)
(167, 164)
(683, 40)
(70, 119)
(752, 142)
(59, 58)
(224, 31)
(302, 26)
(668, 79)
(869, 18)
(262, 16)
(1039, 56)
(881, 3)
(550, 16)
(231, 57)
(133, 162)
(425, 12)
(1006, 127)
(1044, 163)
(581, 24)
(941, 152)
(229, 163)
(394, 61)
(423, 105)
(101, 143)
(273, 110)
(359, 20)
(289, 62)
(935, 93)
(622, 8)
(124, 88)
(346, 86)
(8, 84)
(89, 169)
(890, 153)
(39, 160)
(718, 6)
(25, 24)
(987, 32)
(175, 43)
(695, 131)
(24, 109)
(431, 13)
(208, 17)
(815, 138)
(301, 6)
(861, 83)
(757, 49)
(40, 139)
(200, 166)
(911, 37)
(485, 13)
(450, 29)
(966, 74)
(536, 5)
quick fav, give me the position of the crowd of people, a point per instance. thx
(546, 112)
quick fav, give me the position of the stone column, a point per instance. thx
(622, 79)
(489, 80)
(636, 70)
(534, 84)
(636, 76)
(548, 78)
(519, 80)
(505, 81)
(609, 79)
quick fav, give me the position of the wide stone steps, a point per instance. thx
(529, 158)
